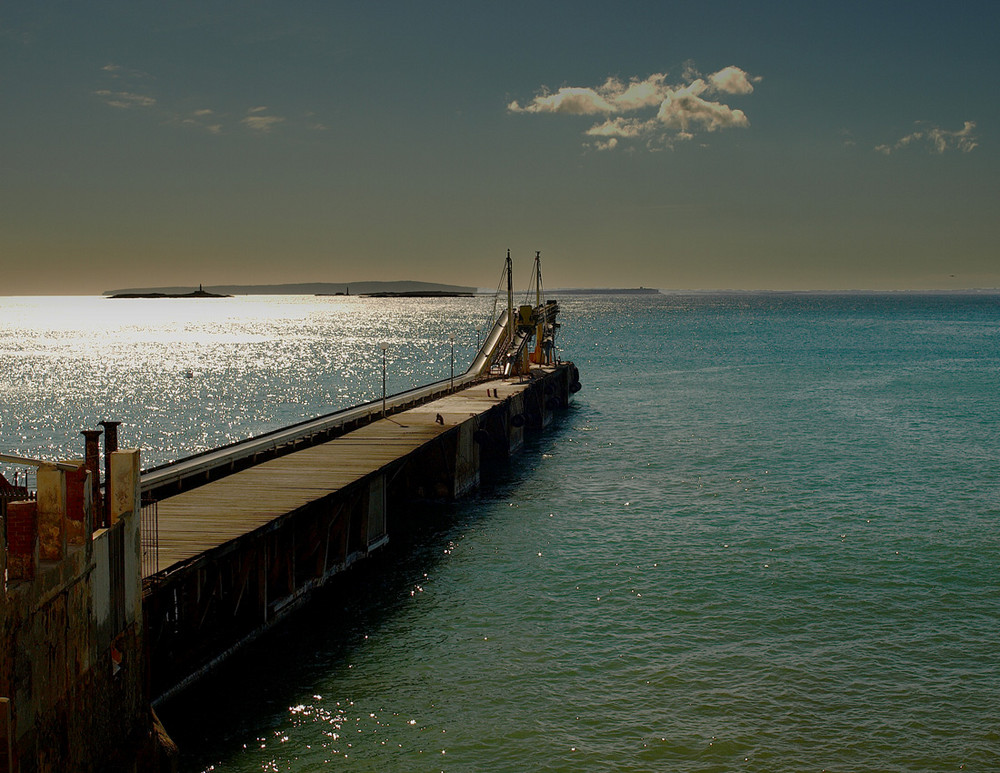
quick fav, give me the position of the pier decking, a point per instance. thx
(196, 521)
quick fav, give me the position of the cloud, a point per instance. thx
(619, 127)
(685, 110)
(574, 101)
(124, 96)
(649, 109)
(257, 118)
(611, 97)
(639, 93)
(732, 80)
(261, 123)
(937, 140)
(117, 72)
(199, 120)
(125, 99)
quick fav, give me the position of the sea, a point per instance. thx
(764, 536)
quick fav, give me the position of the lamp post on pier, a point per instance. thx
(384, 347)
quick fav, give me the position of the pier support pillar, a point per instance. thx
(79, 525)
(124, 475)
(466, 460)
(92, 458)
(110, 446)
(375, 526)
(125, 505)
(51, 513)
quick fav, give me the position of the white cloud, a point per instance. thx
(125, 99)
(611, 97)
(199, 120)
(638, 93)
(686, 110)
(261, 123)
(649, 109)
(619, 127)
(732, 80)
(257, 118)
(938, 140)
(574, 101)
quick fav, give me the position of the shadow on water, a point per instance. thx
(252, 690)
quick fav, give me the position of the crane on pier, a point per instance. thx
(506, 351)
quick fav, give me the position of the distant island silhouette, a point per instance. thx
(302, 288)
(395, 289)
(199, 293)
(419, 294)
(604, 291)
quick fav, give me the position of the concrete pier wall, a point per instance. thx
(72, 657)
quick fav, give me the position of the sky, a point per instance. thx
(730, 145)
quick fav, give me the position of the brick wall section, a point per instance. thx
(22, 540)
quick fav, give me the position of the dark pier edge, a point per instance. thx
(201, 611)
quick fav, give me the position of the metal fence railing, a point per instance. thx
(7, 496)
(149, 536)
(116, 565)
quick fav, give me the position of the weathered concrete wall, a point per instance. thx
(71, 637)
(125, 506)
(51, 513)
(466, 460)
(375, 522)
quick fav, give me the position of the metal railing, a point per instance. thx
(149, 536)
(116, 570)
(25, 495)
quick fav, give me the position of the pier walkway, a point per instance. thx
(196, 521)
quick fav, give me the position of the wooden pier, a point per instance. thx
(238, 552)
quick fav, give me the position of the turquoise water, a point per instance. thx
(763, 538)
